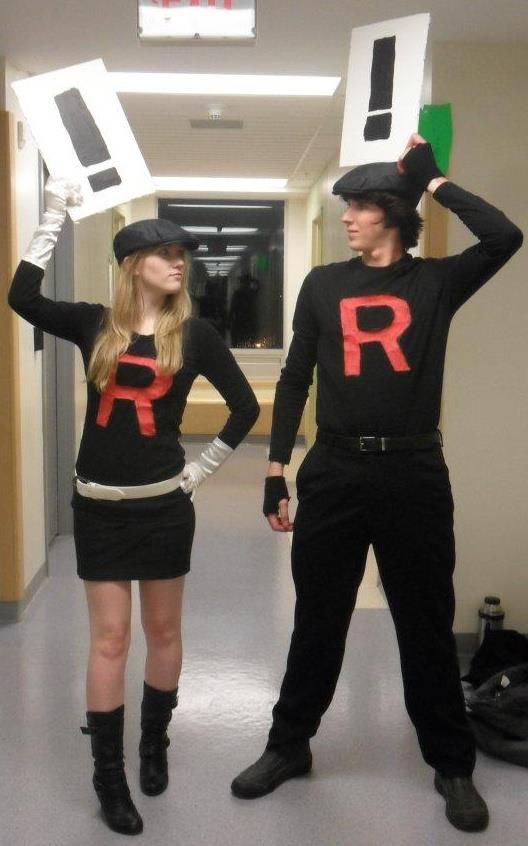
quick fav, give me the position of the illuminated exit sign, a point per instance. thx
(208, 20)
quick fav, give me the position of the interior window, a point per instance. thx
(236, 279)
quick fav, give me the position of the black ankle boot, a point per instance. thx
(271, 769)
(465, 807)
(106, 731)
(156, 714)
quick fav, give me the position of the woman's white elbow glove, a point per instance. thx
(210, 460)
(59, 193)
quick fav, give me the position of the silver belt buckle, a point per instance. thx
(369, 443)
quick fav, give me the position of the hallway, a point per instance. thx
(369, 786)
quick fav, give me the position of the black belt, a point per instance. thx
(375, 443)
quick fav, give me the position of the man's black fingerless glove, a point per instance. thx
(420, 165)
(274, 490)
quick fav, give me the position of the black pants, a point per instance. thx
(400, 503)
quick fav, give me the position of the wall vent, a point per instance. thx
(216, 124)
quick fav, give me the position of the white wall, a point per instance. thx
(30, 363)
(322, 202)
(296, 260)
(143, 208)
(485, 408)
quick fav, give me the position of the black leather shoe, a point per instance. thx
(153, 771)
(105, 729)
(465, 807)
(271, 769)
(117, 807)
(156, 714)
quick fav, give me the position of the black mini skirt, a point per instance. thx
(133, 539)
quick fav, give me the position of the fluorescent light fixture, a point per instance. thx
(208, 184)
(225, 230)
(217, 268)
(218, 258)
(244, 85)
(236, 248)
(203, 248)
(214, 206)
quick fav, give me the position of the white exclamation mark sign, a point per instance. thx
(86, 138)
(379, 121)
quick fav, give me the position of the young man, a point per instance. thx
(376, 327)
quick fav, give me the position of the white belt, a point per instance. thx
(93, 490)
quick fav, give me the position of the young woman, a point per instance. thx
(133, 514)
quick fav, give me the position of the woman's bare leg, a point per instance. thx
(161, 610)
(109, 610)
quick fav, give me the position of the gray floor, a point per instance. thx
(369, 786)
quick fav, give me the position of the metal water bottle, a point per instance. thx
(491, 616)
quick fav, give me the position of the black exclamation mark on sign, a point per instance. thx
(378, 126)
(86, 138)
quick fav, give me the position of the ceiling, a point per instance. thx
(291, 137)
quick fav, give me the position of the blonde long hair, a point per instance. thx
(125, 313)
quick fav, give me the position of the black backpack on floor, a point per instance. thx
(501, 648)
(498, 713)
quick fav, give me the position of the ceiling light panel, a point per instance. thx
(224, 230)
(202, 230)
(223, 259)
(215, 206)
(246, 85)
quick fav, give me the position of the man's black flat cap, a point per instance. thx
(378, 176)
(151, 233)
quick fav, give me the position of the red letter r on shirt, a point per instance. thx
(353, 336)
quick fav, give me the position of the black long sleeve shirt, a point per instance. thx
(378, 335)
(131, 431)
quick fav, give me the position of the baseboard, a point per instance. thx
(12, 612)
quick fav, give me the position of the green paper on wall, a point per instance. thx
(262, 264)
(436, 126)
